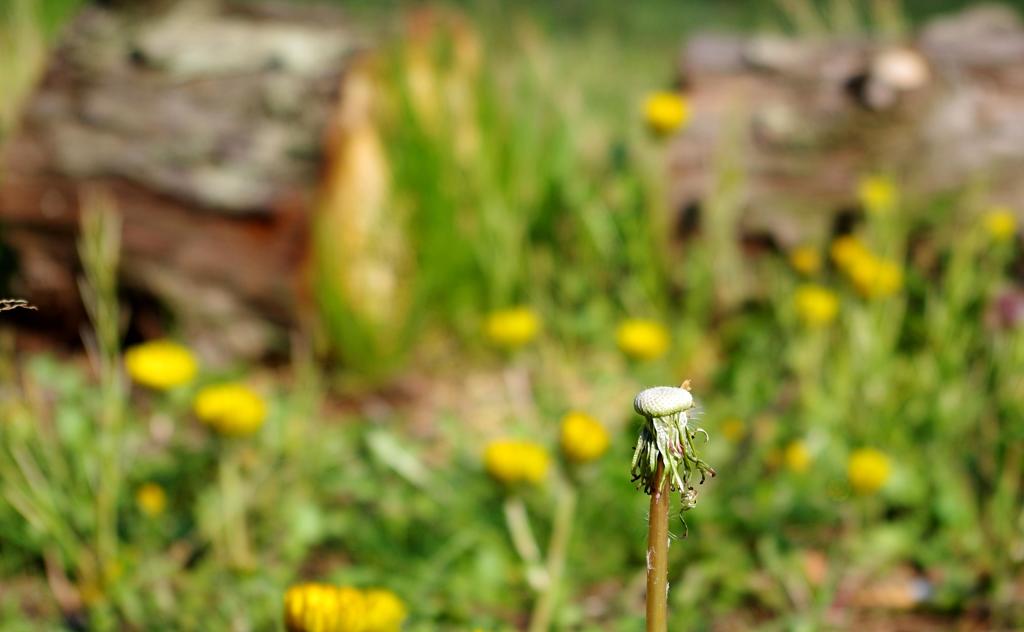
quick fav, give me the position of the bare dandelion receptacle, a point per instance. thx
(667, 434)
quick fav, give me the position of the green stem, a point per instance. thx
(110, 468)
(233, 525)
(525, 544)
(99, 251)
(657, 554)
(557, 551)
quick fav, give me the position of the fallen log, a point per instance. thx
(805, 119)
(206, 125)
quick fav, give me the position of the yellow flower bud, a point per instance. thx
(805, 259)
(816, 305)
(151, 499)
(888, 278)
(666, 112)
(868, 470)
(511, 328)
(874, 277)
(514, 462)
(877, 194)
(1000, 223)
(230, 409)
(160, 364)
(846, 250)
(642, 339)
(583, 438)
(797, 457)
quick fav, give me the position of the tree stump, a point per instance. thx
(806, 119)
(206, 125)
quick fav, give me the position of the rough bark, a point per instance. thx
(206, 123)
(806, 119)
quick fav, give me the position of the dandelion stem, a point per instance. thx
(657, 553)
(557, 551)
(518, 524)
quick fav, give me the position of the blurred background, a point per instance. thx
(359, 294)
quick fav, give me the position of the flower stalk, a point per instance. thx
(657, 555)
(518, 524)
(664, 461)
(233, 505)
(558, 549)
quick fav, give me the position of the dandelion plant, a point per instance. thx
(665, 460)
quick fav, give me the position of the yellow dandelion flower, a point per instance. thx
(874, 277)
(160, 364)
(512, 328)
(847, 250)
(151, 499)
(877, 194)
(666, 112)
(805, 260)
(888, 278)
(816, 305)
(384, 612)
(733, 430)
(513, 462)
(1000, 223)
(583, 438)
(351, 610)
(862, 274)
(642, 339)
(230, 409)
(797, 457)
(312, 608)
(868, 469)
(316, 607)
